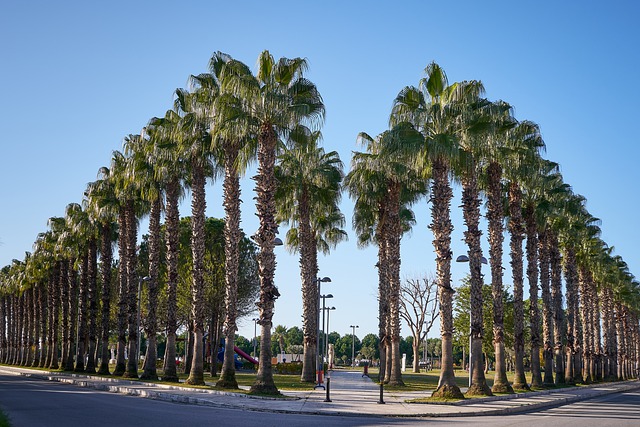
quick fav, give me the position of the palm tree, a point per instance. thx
(276, 100)
(102, 206)
(194, 143)
(429, 108)
(170, 170)
(229, 143)
(523, 146)
(143, 154)
(309, 181)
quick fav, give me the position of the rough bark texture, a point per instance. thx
(441, 226)
(471, 214)
(150, 371)
(66, 304)
(198, 206)
(559, 330)
(583, 281)
(265, 189)
(570, 275)
(516, 231)
(547, 308)
(231, 194)
(122, 293)
(172, 226)
(309, 289)
(383, 297)
(393, 244)
(106, 259)
(82, 316)
(132, 292)
(92, 305)
(496, 237)
(532, 277)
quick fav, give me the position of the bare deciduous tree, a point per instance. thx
(419, 308)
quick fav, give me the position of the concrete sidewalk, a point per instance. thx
(351, 394)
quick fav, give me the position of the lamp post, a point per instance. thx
(483, 260)
(326, 335)
(142, 279)
(353, 344)
(319, 281)
(255, 335)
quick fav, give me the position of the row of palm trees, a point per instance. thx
(227, 119)
(440, 134)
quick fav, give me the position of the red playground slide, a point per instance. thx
(245, 355)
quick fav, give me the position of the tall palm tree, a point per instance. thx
(430, 108)
(523, 146)
(194, 144)
(170, 170)
(102, 206)
(143, 156)
(308, 179)
(276, 100)
(230, 144)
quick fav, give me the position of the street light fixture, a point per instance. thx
(353, 344)
(483, 260)
(319, 365)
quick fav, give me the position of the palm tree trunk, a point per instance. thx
(173, 229)
(547, 308)
(570, 275)
(37, 320)
(265, 188)
(583, 278)
(471, 213)
(231, 194)
(55, 316)
(132, 291)
(441, 226)
(532, 277)
(106, 259)
(198, 207)
(393, 243)
(383, 298)
(558, 313)
(516, 231)
(309, 289)
(66, 301)
(122, 293)
(496, 238)
(93, 305)
(44, 325)
(82, 308)
(151, 326)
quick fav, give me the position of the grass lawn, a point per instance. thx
(428, 380)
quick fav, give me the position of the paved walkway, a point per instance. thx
(350, 394)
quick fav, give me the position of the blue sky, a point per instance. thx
(79, 76)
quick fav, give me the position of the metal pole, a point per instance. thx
(353, 344)
(255, 336)
(318, 377)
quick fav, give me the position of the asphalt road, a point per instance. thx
(30, 402)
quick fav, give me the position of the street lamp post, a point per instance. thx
(319, 281)
(483, 260)
(255, 336)
(353, 344)
(326, 335)
(142, 279)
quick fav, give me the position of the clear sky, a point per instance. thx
(77, 76)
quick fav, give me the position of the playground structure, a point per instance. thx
(238, 352)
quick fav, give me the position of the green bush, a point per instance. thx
(294, 368)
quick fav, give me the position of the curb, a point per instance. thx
(102, 384)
